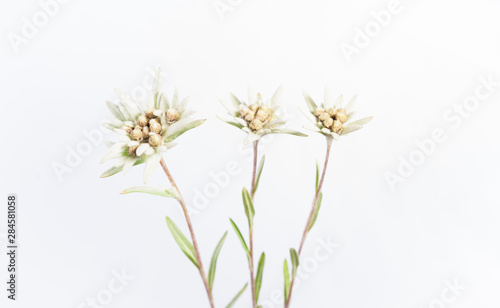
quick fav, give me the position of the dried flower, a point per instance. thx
(330, 119)
(257, 118)
(153, 133)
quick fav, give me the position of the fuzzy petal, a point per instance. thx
(142, 148)
(361, 122)
(329, 100)
(251, 137)
(310, 103)
(150, 167)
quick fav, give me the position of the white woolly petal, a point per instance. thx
(133, 143)
(252, 95)
(149, 152)
(329, 101)
(150, 167)
(362, 121)
(182, 106)
(128, 164)
(313, 128)
(241, 121)
(276, 99)
(120, 131)
(338, 102)
(175, 99)
(308, 115)
(164, 103)
(229, 107)
(351, 104)
(171, 145)
(156, 82)
(177, 126)
(162, 148)
(187, 113)
(130, 105)
(142, 148)
(325, 130)
(251, 137)
(350, 128)
(158, 113)
(120, 161)
(116, 150)
(108, 143)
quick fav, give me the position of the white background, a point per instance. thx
(397, 248)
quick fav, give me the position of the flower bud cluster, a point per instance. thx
(332, 118)
(256, 116)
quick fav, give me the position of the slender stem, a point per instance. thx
(254, 174)
(313, 209)
(191, 230)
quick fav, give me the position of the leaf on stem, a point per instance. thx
(168, 193)
(213, 263)
(295, 261)
(183, 242)
(316, 211)
(286, 272)
(237, 296)
(258, 276)
(242, 240)
(248, 203)
(259, 172)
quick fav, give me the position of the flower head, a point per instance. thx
(331, 118)
(256, 117)
(145, 129)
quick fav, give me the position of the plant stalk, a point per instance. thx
(191, 231)
(313, 209)
(254, 174)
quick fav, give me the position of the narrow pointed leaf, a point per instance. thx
(152, 191)
(259, 172)
(213, 263)
(235, 124)
(258, 276)
(286, 273)
(295, 261)
(288, 131)
(316, 211)
(237, 296)
(115, 110)
(248, 203)
(187, 127)
(310, 103)
(114, 170)
(242, 240)
(182, 241)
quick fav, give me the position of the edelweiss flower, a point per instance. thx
(257, 118)
(145, 130)
(331, 119)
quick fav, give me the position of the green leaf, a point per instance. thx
(152, 191)
(187, 127)
(115, 110)
(317, 177)
(213, 263)
(248, 203)
(259, 172)
(237, 296)
(288, 131)
(286, 272)
(183, 242)
(295, 261)
(242, 240)
(316, 211)
(258, 276)
(114, 170)
(233, 123)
